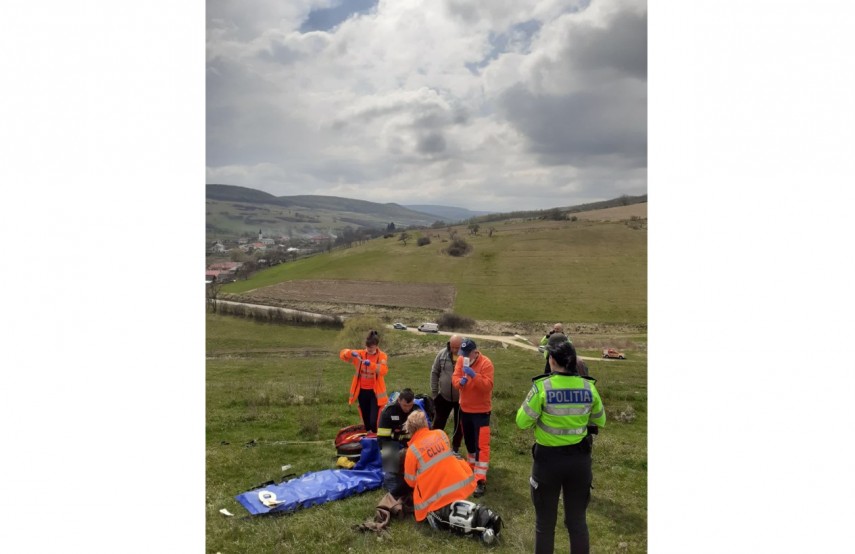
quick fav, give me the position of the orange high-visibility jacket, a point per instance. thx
(476, 397)
(367, 377)
(437, 476)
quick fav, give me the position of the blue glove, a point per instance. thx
(463, 381)
(366, 363)
(354, 354)
(468, 371)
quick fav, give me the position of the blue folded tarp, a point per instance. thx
(319, 487)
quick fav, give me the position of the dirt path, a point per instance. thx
(515, 340)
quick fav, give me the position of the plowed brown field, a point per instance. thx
(380, 293)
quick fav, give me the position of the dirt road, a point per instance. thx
(515, 340)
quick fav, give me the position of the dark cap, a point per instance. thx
(467, 346)
(555, 341)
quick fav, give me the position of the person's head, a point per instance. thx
(406, 400)
(453, 344)
(371, 341)
(557, 328)
(469, 349)
(562, 355)
(415, 421)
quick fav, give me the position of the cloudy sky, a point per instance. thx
(485, 104)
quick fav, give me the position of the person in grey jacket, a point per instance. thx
(446, 397)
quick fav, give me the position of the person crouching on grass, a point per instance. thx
(441, 482)
(438, 477)
(368, 385)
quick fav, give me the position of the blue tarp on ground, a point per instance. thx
(319, 487)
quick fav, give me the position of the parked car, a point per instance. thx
(399, 326)
(612, 353)
(429, 328)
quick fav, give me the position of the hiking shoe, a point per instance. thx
(480, 489)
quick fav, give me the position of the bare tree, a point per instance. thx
(405, 236)
(247, 269)
(212, 292)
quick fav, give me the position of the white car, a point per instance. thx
(429, 328)
(399, 326)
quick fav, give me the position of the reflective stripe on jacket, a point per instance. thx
(367, 377)
(437, 476)
(561, 407)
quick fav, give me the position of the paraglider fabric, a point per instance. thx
(318, 487)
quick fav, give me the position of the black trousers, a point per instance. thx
(368, 408)
(558, 470)
(443, 409)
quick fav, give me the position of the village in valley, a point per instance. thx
(230, 259)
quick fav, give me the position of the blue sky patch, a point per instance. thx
(327, 18)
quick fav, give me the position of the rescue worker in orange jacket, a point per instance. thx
(473, 376)
(437, 475)
(368, 385)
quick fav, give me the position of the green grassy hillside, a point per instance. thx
(527, 271)
(277, 395)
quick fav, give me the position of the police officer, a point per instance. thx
(560, 406)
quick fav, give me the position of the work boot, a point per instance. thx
(480, 489)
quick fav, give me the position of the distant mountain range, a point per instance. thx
(240, 211)
(234, 210)
(449, 214)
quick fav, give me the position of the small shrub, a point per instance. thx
(423, 241)
(455, 322)
(573, 218)
(356, 329)
(458, 247)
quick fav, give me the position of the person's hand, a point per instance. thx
(367, 363)
(463, 381)
(354, 354)
(468, 371)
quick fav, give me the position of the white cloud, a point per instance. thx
(412, 100)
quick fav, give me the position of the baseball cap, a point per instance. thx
(467, 346)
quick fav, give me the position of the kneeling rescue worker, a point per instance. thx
(441, 481)
(560, 406)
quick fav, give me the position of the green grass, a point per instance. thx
(528, 271)
(285, 388)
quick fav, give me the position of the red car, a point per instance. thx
(612, 353)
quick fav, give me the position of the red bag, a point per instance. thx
(347, 441)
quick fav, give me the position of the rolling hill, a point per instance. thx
(523, 270)
(236, 211)
(448, 214)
